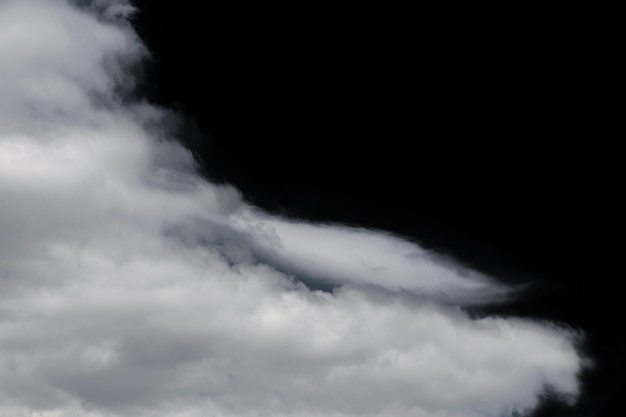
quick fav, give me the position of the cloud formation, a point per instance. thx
(129, 285)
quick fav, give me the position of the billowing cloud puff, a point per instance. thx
(129, 285)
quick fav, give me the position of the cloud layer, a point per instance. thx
(129, 285)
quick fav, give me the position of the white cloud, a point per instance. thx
(343, 255)
(131, 286)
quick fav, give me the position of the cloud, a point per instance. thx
(129, 285)
(342, 255)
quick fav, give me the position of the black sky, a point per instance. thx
(484, 136)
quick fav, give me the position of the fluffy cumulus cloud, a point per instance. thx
(131, 286)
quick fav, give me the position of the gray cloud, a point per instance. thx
(129, 285)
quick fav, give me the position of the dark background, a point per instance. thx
(488, 135)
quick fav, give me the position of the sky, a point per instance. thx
(131, 283)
